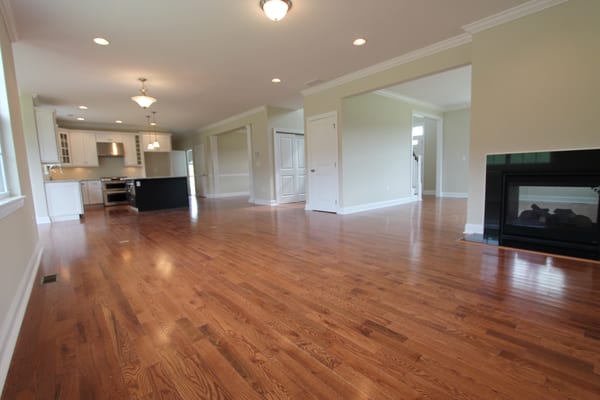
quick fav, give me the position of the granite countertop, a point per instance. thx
(62, 180)
(156, 177)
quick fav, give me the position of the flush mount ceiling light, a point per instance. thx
(80, 119)
(360, 42)
(276, 10)
(276, 80)
(118, 121)
(144, 100)
(83, 107)
(101, 41)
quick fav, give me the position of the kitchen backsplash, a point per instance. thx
(108, 166)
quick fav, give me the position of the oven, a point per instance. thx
(113, 191)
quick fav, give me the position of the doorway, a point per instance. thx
(427, 154)
(189, 155)
(290, 166)
(323, 179)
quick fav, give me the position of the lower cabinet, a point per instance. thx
(64, 200)
(91, 192)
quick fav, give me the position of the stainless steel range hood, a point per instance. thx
(110, 149)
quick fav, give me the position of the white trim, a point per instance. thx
(63, 218)
(234, 175)
(520, 11)
(455, 195)
(377, 205)
(249, 145)
(226, 195)
(456, 107)
(10, 205)
(473, 228)
(9, 20)
(11, 326)
(438, 47)
(260, 202)
(407, 99)
(233, 118)
(428, 192)
(43, 220)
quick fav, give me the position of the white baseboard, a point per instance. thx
(43, 220)
(473, 228)
(456, 195)
(428, 192)
(227, 195)
(376, 205)
(260, 202)
(9, 332)
(63, 218)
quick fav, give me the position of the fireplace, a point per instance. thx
(547, 201)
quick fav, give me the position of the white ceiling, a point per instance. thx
(448, 90)
(206, 60)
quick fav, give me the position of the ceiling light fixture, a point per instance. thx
(360, 42)
(276, 10)
(150, 145)
(83, 107)
(276, 80)
(101, 41)
(80, 119)
(144, 100)
(118, 121)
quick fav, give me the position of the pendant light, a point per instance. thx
(276, 10)
(150, 145)
(155, 144)
(144, 100)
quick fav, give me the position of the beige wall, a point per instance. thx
(536, 87)
(18, 232)
(232, 154)
(157, 164)
(430, 156)
(457, 133)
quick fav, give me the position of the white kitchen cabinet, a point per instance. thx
(133, 150)
(45, 121)
(109, 137)
(64, 147)
(64, 200)
(83, 149)
(164, 139)
(91, 191)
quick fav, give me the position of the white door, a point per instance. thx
(322, 158)
(200, 170)
(290, 167)
(178, 163)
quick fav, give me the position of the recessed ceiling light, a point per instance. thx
(276, 80)
(119, 121)
(80, 119)
(153, 123)
(101, 41)
(83, 107)
(360, 42)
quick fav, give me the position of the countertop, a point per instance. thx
(156, 177)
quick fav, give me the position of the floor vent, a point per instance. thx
(49, 279)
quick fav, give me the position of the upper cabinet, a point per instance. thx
(109, 137)
(45, 120)
(83, 149)
(133, 150)
(64, 147)
(164, 140)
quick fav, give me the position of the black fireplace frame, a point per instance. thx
(566, 168)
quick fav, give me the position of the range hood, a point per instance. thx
(110, 149)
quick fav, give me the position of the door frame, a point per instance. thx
(277, 161)
(439, 170)
(307, 134)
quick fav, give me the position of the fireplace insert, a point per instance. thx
(545, 201)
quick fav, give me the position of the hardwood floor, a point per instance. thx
(231, 301)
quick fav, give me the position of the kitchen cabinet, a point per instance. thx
(109, 137)
(64, 200)
(164, 139)
(83, 149)
(45, 120)
(64, 147)
(91, 191)
(133, 150)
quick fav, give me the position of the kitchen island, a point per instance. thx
(147, 194)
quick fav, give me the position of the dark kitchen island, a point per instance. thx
(147, 194)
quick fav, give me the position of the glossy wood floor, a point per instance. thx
(231, 301)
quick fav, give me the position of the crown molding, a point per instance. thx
(233, 118)
(9, 19)
(520, 11)
(394, 62)
(408, 99)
